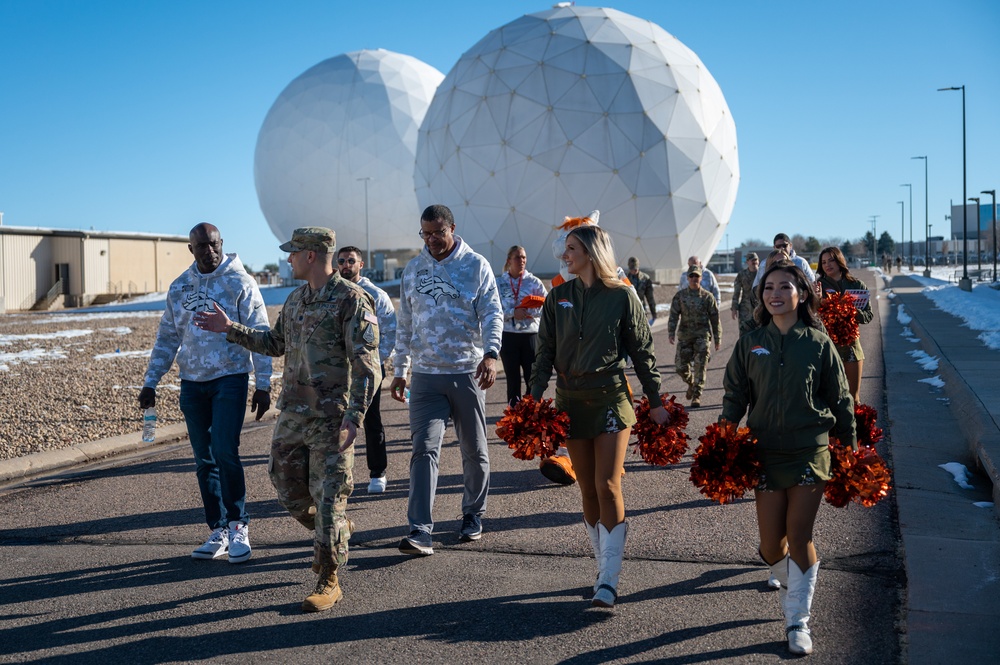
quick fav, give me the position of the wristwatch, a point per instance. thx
(491, 354)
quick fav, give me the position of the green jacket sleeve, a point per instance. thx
(737, 387)
(545, 349)
(638, 340)
(835, 392)
(268, 342)
(361, 333)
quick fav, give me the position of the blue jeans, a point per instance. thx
(214, 412)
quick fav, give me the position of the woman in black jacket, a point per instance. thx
(835, 277)
(789, 375)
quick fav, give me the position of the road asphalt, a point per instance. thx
(96, 543)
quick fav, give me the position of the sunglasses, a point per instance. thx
(440, 235)
(351, 261)
(783, 245)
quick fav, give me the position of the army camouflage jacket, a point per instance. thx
(330, 342)
(449, 313)
(744, 296)
(698, 314)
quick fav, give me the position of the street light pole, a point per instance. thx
(911, 224)
(874, 222)
(979, 255)
(902, 218)
(965, 284)
(993, 193)
(927, 228)
(368, 228)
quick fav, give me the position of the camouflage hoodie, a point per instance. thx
(449, 313)
(203, 355)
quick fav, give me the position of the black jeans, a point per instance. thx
(375, 438)
(517, 355)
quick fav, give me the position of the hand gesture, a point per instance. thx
(216, 321)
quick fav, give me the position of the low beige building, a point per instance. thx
(52, 268)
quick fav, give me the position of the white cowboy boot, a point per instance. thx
(778, 578)
(595, 542)
(798, 603)
(612, 553)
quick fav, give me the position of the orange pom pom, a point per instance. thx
(661, 445)
(533, 428)
(726, 464)
(840, 318)
(861, 476)
(865, 418)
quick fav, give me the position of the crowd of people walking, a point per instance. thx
(340, 335)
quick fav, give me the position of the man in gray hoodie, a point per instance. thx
(449, 328)
(214, 378)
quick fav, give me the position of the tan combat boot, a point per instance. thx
(327, 591)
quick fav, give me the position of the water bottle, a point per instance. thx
(406, 395)
(149, 425)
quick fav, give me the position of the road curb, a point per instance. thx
(38, 464)
(974, 420)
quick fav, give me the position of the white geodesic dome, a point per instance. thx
(574, 109)
(353, 116)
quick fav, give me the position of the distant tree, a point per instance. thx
(812, 244)
(754, 242)
(798, 242)
(270, 267)
(869, 243)
(848, 249)
(886, 244)
(248, 268)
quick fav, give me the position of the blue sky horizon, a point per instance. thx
(144, 116)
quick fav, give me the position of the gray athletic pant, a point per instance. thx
(434, 398)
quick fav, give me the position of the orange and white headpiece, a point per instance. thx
(559, 244)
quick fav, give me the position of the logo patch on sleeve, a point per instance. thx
(371, 318)
(369, 335)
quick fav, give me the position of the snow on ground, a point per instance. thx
(959, 472)
(6, 340)
(927, 363)
(935, 381)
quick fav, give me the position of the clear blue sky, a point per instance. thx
(123, 115)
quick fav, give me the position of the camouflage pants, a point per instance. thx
(313, 480)
(691, 361)
(747, 324)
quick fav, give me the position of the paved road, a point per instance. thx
(96, 567)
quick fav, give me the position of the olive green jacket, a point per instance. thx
(586, 334)
(794, 386)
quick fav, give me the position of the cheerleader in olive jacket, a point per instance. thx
(789, 374)
(588, 326)
(835, 277)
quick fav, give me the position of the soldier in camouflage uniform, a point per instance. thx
(328, 333)
(744, 296)
(699, 322)
(643, 284)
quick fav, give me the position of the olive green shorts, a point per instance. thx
(596, 411)
(787, 468)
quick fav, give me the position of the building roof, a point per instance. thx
(81, 233)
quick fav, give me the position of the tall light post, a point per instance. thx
(368, 228)
(911, 224)
(874, 222)
(979, 255)
(902, 218)
(927, 228)
(728, 255)
(965, 283)
(993, 193)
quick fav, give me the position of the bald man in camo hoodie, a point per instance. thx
(214, 376)
(448, 331)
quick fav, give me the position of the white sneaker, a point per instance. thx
(239, 542)
(377, 485)
(216, 546)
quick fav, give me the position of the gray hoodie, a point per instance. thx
(449, 313)
(203, 355)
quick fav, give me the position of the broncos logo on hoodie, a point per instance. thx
(436, 288)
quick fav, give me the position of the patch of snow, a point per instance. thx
(959, 472)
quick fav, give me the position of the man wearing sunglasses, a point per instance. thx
(349, 263)
(783, 243)
(450, 322)
(708, 281)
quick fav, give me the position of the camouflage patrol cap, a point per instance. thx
(311, 238)
(633, 262)
(752, 255)
(694, 270)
